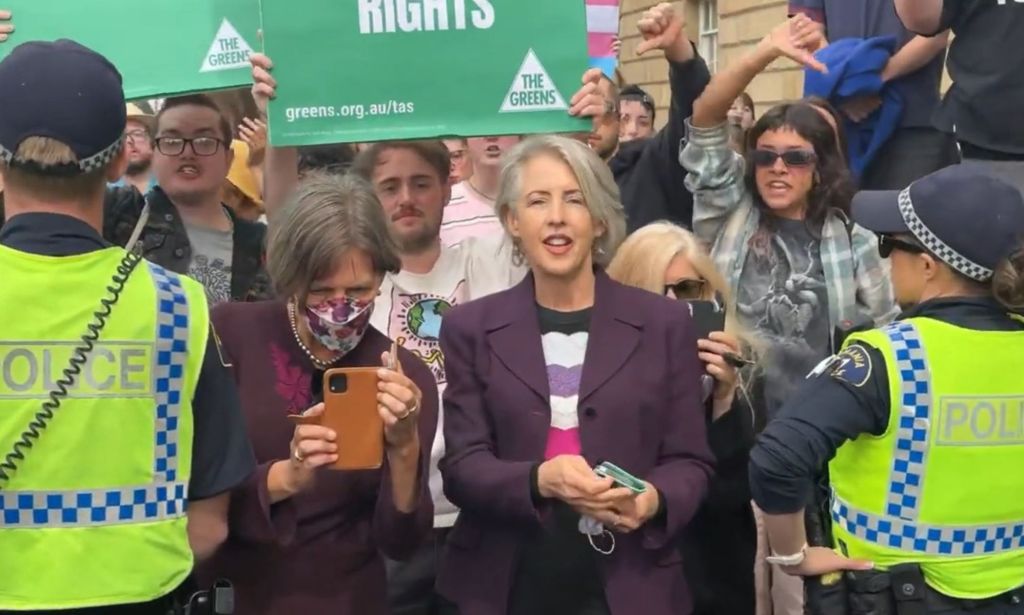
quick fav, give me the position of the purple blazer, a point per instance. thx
(640, 407)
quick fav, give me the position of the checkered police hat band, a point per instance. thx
(938, 247)
(87, 165)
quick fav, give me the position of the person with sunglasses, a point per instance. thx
(776, 220)
(923, 429)
(719, 545)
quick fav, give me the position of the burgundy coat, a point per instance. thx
(318, 552)
(639, 405)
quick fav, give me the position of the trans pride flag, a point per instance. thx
(602, 28)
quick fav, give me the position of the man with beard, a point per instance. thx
(650, 179)
(471, 210)
(138, 137)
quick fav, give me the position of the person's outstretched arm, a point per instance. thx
(792, 38)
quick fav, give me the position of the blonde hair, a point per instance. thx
(646, 254)
(47, 152)
(600, 192)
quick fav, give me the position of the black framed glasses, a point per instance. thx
(201, 146)
(137, 135)
(687, 289)
(887, 244)
(792, 158)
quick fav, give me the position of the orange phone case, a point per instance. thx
(353, 415)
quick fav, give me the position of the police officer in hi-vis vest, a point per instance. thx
(920, 423)
(120, 428)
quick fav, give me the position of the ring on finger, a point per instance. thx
(298, 456)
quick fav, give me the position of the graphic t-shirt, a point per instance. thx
(411, 307)
(469, 214)
(211, 261)
(782, 298)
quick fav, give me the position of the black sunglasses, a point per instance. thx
(888, 243)
(792, 158)
(687, 289)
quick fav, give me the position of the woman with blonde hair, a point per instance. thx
(547, 383)
(719, 545)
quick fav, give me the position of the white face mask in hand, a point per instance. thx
(593, 528)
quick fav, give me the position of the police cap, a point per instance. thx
(967, 218)
(66, 92)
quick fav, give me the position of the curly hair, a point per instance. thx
(833, 187)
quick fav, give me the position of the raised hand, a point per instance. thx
(398, 401)
(264, 86)
(662, 28)
(590, 100)
(312, 447)
(6, 27)
(254, 133)
(797, 38)
(713, 352)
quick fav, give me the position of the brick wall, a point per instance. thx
(741, 24)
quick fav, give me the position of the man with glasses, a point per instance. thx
(138, 137)
(188, 228)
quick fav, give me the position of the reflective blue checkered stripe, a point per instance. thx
(912, 430)
(165, 497)
(911, 536)
(899, 528)
(169, 375)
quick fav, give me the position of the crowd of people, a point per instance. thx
(731, 308)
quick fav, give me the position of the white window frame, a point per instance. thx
(708, 33)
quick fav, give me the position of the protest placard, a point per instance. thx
(373, 70)
(161, 47)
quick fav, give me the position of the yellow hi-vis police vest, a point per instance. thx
(943, 486)
(95, 513)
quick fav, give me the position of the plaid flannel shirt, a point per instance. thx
(857, 278)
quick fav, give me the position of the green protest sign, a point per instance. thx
(161, 47)
(373, 70)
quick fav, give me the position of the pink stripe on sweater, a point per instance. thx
(563, 442)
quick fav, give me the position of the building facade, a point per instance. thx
(724, 30)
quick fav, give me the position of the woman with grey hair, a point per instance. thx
(547, 381)
(304, 538)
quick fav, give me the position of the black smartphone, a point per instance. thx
(708, 316)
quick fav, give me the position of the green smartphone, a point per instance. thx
(622, 478)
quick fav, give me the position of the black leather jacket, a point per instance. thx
(165, 242)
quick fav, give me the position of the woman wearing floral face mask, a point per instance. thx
(306, 539)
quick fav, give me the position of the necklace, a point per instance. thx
(294, 321)
(469, 182)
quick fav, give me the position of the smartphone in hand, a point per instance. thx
(622, 478)
(350, 409)
(708, 316)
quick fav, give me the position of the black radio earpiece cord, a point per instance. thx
(79, 356)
